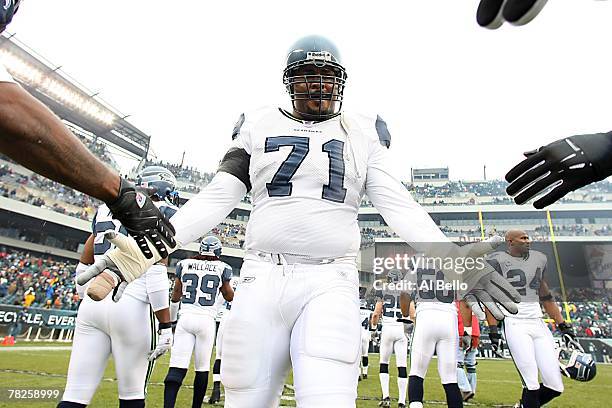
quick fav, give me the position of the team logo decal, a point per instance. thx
(140, 199)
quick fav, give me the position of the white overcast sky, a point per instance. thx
(453, 94)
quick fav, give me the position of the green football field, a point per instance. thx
(498, 383)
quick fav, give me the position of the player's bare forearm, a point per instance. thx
(163, 315)
(227, 291)
(87, 256)
(466, 314)
(552, 310)
(377, 313)
(405, 303)
(177, 291)
(33, 136)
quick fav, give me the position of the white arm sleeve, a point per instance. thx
(399, 210)
(159, 300)
(81, 267)
(208, 208)
(158, 287)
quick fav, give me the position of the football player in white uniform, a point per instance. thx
(307, 170)
(435, 330)
(392, 340)
(124, 329)
(365, 315)
(528, 339)
(223, 309)
(198, 282)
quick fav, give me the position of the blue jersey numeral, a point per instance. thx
(426, 284)
(100, 227)
(208, 286)
(281, 186)
(391, 306)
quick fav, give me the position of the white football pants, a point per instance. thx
(306, 315)
(435, 330)
(393, 339)
(126, 330)
(532, 348)
(194, 334)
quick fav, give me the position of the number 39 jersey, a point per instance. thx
(525, 274)
(201, 281)
(312, 171)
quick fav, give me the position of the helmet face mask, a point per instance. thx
(315, 78)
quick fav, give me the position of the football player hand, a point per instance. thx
(567, 330)
(143, 220)
(164, 342)
(466, 341)
(121, 265)
(565, 165)
(497, 343)
(491, 290)
(492, 13)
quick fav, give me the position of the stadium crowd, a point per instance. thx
(36, 281)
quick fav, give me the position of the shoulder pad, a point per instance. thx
(383, 133)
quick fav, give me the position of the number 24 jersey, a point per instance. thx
(525, 274)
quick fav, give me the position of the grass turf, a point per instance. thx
(498, 383)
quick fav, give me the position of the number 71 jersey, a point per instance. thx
(525, 274)
(307, 180)
(201, 281)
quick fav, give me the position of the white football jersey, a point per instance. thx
(365, 315)
(156, 277)
(201, 281)
(391, 307)
(430, 292)
(525, 274)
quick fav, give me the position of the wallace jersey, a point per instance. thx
(525, 274)
(311, 171)
(201, 282)
(430, 293)
(156, 277)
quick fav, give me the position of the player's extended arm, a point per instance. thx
(414, 225)
(194, 219)
(33, 136)
(377, 313)
(561, 166)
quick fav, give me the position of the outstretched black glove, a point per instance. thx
(142, 219)
(565, 165)
(492, 13)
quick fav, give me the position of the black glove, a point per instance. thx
(497, 343)
(566, 165)
(569, 336)
(466, 341)
(492, 13)
(142, 219)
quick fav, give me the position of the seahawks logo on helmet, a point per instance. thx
(159, 182)
(580, 366)
(394, 276)
(211, 246)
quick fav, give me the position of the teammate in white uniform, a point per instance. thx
(307, 170)
(126, 328)
(392, 340)
(223, 309)
(435, 331)
(365, 315)
(529, 341)
(199, 281)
